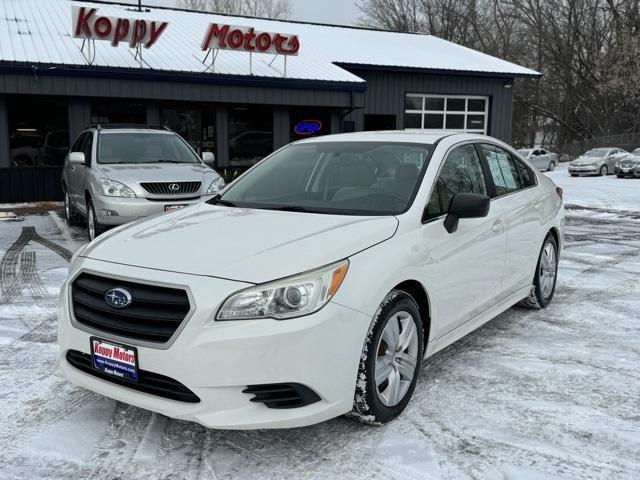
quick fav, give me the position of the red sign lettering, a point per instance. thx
(228, 37)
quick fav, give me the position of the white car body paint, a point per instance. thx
(469, 276)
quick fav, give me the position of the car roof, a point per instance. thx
(394, 136)
(134, 130)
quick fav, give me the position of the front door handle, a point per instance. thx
(498, 226)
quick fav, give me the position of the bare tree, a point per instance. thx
(255, 8)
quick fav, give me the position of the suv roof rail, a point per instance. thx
(139, 126)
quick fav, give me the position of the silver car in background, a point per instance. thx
(114, 175)
(541, 158)
(598, 161)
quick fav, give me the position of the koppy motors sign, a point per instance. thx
(88, 24)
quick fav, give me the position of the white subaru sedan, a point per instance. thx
(315, 284)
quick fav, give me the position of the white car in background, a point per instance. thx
(541, 158)
(315, 284)
(598, 161)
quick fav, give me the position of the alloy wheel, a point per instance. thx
(396, 358)
(67, 207)
(547, 274)
(603, 170)
(91, 222)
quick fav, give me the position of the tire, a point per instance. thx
(378, 402)
(551, 167)
(544, 281)
(603, 171)
(93, 227)
(70, 215)
(574, 174)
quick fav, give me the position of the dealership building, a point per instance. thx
(236, 86)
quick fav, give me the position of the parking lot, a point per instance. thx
(531, 395)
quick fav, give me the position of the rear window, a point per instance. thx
(143, 147)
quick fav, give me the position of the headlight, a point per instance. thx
(217, 185)
(115, 189)
(287, 298)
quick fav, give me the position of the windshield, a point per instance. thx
(598, 152)
(345, 178)
(143, 147)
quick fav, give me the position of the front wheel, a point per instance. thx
(544, 282)
(69, 214)
(603, 170)
(390, 361)
(551, 167)
(93, 227)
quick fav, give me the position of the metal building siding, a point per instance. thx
(172, 91)
(386, 91)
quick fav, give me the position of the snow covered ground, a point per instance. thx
(532, 395)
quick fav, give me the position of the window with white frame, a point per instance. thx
(451, 112)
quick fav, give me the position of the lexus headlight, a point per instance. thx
(215, 187)
(287, 298)
(115, 189)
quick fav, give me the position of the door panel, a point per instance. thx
(462, 270)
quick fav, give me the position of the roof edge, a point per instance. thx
(63, 70)
(437, 71)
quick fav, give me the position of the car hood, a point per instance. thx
(156, 172)
(246, 245)
(630, 162)
(587, 161)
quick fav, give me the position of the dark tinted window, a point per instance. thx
(79, 143)
(250, 134)
(461, 173)
(87, 148)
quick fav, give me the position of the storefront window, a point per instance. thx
(38, 131)
(104, 111)
(451, 112)
(250, 134)
(196, 126)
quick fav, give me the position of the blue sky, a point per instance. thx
(342, 12)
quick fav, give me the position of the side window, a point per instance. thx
(77, 145)
(508, 173)
(460, 173)
(543, 152)
(88, 148)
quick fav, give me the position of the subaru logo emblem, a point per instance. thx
(174, 187)
(118, 297)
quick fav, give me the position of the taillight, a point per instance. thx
(559, 192)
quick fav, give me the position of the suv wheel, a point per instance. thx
(603, 170)
(544, 282)
(93, 227)
(70, 214)
(390, 362)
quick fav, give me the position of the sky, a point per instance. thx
(341, 12)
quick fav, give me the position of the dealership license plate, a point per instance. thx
(171, 208)
(114, 359)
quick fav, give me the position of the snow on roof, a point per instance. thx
(39, 32)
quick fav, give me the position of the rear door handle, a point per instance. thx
(498, 226)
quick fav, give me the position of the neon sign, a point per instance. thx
(308, 127)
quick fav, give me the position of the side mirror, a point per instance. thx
(76, 157)
(466, 205)
(209, 158)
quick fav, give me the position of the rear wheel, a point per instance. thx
(390, 361)
(603, 170)
(544, 282)
(551, 167)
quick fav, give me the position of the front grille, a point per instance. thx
(154, 315)
(148, 382)
(171, 188)
(282, 395)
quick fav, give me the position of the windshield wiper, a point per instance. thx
(219, 201)
(289, 208)
(164, 160)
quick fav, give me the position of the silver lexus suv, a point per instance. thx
(114, 175)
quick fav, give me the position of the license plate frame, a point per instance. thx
(173, 208)
(108, 361)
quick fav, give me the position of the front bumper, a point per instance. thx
(217, 360)
(131, 209)
(628, 172)
(584, 170)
